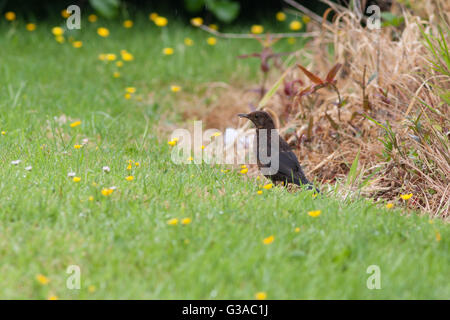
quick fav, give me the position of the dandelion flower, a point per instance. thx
(30, 26)
(75, 124)
(126, 56)
(137, 164)
(172, 143)
(116, 74)
(10, 16)
(76, 179)
(295, 25)
(160, 21)
(129, 167)
(297, 229)
(103, 32)
(259, 192)
(280, 16)
(257, 29)
(197, 21)
(261, 296)
(167, 51)
(314, 213)
(306, 19)
(189, 42)
(77, 44)
(92, 18)
(438, 236)
(130, 89)
(172, 222)
(213, 26)
(42, 279)
(175, 88)
(186, 220)
(59, 39)
(119, 64)
(91, 289)
(203, 147)
(3, 133)
(268, 186)
(127, 96)
(102, 57)
(111, 56)
(91, 198)
(107, 191)
(57, 31)
(129, 178)
(128, 24)
(152, 16)
(65, 14)
(53, 297)
(389, 205)
(190, 159)
(211, 41)
(244, 171)
(269, 240)
(78, 146)
(406, 196)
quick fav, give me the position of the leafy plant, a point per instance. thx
(106, 8)
(224, 10)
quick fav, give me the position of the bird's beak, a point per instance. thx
(243, 115)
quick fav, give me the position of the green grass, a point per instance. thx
(122, 242)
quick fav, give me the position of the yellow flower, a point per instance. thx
(268, 186)
(203, 147)
(59, 39)
(244, 171)
(214, 27)
(190, 159)
(128, 24)
(269, 240)
(3, 133)
(175, 88)
(389, 205)
(295, 25)
(102, 56)
(189, 42)
(406, 196)
(127, 96)
(92, 289)
(129, 178)
(306, 19)
(126, 56)
(129, 167)
(91, 198)
(297, 230)
(153, 16)
(106, 192)
(42, 279)
(75, 124)
(116, 74)
(438, 236)
(216, 134)
(110, 57)
(53, 297)
(103, 32)
(430, 221)
(261, 296)
(211, 41)
(291, 40)
(243, 166)
(172, 222)
(280, 16)
(119, 63)
(57, 31)
(92, 18)
(167, 51)
(259, 192)
(197, 21)
(186, 221)
(77, 44)
(76, 179)
(78, 146)
(30, 26)
(160, 21)
(10, 16)
(257, 29)
(65, 14)
(315, 213)
(172, 142)
(130, 89)
(137, 164)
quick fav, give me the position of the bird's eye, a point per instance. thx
(256, 116)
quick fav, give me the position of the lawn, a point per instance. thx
(122, 242)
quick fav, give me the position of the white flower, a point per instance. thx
(28, 168)
(106, 169)
(113, 188)
(71, 174)
(85, 141)
(16, 162)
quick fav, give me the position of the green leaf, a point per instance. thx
(272, 90)
(225, 11)
(106, 8)
(352, 173)
(194, 5)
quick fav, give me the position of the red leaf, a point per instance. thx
(333, 72)
(311, 76)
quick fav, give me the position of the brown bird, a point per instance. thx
(289, 170)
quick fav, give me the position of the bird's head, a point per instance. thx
(261, 119)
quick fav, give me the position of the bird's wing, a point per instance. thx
(288, 164)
